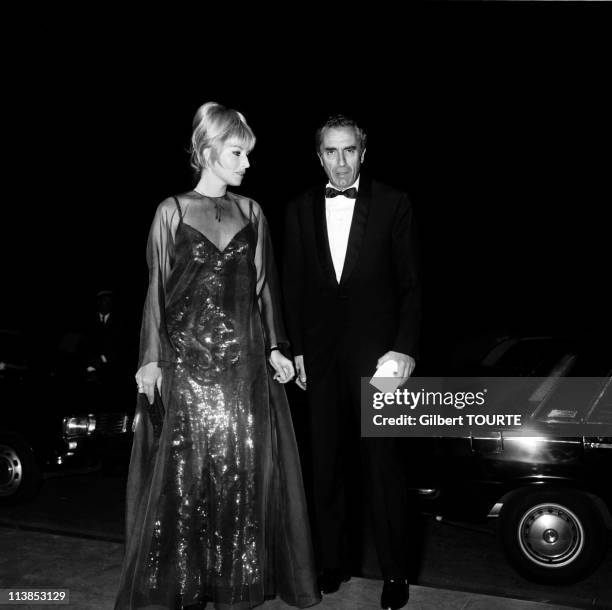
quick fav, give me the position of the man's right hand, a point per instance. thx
(300, 372)
(147, 377)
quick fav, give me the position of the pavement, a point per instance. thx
(89, 568)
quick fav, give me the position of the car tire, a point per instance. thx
(20, 476)
(552, 536)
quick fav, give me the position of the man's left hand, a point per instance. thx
(405, 363)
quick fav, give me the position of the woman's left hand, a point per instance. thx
(283, 367)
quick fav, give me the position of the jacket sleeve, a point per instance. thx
(407, 272)
(293, 279)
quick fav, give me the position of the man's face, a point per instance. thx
(340, 156)
(105, 304)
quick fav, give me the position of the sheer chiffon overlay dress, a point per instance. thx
(215, 502)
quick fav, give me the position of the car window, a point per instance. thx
(601, 411)
(587, 398)
(527, 357)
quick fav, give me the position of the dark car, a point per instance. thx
(552, 494)
(54, 421)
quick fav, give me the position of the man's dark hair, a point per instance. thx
(340, 120)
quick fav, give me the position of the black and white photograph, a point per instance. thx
(215, 234)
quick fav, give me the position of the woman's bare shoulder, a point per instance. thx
(188, 196)
(169, 204)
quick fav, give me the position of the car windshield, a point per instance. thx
(587, 397)
(601, 411)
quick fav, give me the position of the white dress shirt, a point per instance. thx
(339, 214)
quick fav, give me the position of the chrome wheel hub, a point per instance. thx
(551, 535)
(11, 471)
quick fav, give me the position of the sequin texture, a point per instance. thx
(210, 480)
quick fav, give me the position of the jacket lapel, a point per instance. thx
(358, 227)
(322, 239)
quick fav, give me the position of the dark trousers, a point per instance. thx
(347, 471)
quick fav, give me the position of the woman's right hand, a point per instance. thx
(147, 377)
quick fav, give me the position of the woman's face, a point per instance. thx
(231, 162)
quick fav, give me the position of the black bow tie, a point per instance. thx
(331, 192)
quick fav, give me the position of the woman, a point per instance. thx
(215, 503)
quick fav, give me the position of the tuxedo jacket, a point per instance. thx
(376, 306)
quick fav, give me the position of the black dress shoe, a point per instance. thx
(394, 594)
(330, 580)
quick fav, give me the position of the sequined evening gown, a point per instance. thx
(215, 502)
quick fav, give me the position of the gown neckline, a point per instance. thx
(212, 243)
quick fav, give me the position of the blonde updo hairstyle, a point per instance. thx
(213, 124)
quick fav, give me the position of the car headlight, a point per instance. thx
(79, 425)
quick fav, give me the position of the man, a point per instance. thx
(102, 336)
(352, 300)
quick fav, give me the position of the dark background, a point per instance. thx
(495, 117)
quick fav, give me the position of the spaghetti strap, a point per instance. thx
(178, 207)
(251, 212)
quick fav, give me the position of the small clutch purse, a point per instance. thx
(156, 412)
